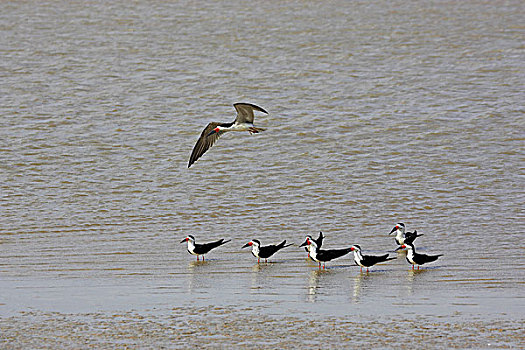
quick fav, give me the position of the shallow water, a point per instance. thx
(379, 112)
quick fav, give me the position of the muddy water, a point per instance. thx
(380, 112)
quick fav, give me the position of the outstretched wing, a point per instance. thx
(245, 112)
(205, 142)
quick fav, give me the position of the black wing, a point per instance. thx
(205, 142)
(245, 112)
(327, 255)
(370, 260)
(269, 250)
(423, 258)
(206, 247)
(410, 237)
(319, 240)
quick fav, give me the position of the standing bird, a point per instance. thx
(318, 241)
(402, 237)
(367, 260)
(322, 256)
(201, 249)
(214, 130)
(266, 251)
(417, 259)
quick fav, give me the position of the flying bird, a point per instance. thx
(214, 130)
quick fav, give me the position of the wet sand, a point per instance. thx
(251, 328)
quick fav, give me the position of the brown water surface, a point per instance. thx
(379, 112)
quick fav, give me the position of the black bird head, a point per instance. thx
(254, 242)
(308, 241)
(188, 238)
(213, 131)
(406, 245)
(398, 226)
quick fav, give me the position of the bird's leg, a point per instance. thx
(203, 258)
(258, 260)
(197, 258)
(361, 268)
(412, 266)
(319, 266)
(418, 267)
(266, 261)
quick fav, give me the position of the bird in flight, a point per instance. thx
(214, 130)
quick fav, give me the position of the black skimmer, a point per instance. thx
(415, 258)
(266, 251)
(214, 130)
(322, 256)
(403, 237)
(318, 241)
(201, 249)
(367, 260)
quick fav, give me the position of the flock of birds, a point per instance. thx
(313, 247)
(244, 122)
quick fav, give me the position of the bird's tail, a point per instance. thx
(284, 245)
(254, 130)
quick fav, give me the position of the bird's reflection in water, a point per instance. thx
(256, 268)
(313, 283)
(261, 275)
(412, 278)
(366, 283)
(195, 264)
(360, 280)
(198, 277)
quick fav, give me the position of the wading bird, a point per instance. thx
(201, 249)
(415, 258)
(266, 251)
(367, 260)
(403, 237)
(321, 255)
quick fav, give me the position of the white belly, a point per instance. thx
(313, 254)
(410, 256)
(357, 259)
(240, 127)
(191, 248)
